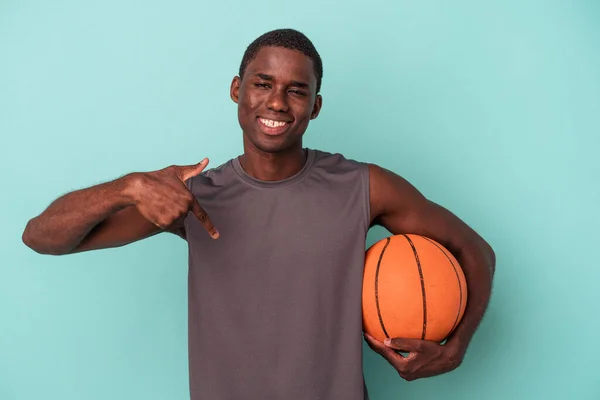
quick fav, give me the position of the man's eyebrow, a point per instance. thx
(299, 84)
(265, 77)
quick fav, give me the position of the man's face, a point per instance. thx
(276, 99)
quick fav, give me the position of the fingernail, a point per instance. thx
(215, 234)
(387, 341)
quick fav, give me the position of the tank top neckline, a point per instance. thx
(306, 168)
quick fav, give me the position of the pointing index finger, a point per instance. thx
(204, 219)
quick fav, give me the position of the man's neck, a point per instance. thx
(266, 166)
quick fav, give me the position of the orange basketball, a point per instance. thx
(413, 288)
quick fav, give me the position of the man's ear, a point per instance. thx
(234, 91)
(317, 107)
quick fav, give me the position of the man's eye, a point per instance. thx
(261, 85)
(297, 92)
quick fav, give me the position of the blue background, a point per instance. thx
(489, 108)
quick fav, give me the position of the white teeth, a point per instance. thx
(271, 123)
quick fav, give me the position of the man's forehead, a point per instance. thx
(282, 62)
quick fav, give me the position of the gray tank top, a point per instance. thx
(275, 302)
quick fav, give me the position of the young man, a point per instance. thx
(276, 243)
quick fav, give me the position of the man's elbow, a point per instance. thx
(32, 241)
(27, 238)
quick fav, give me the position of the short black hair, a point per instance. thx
(290, 39)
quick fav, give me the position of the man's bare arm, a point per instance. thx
(116, 213)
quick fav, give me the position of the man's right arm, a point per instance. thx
(97, 217)
(117, 213)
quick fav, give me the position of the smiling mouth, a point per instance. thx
(272, 127)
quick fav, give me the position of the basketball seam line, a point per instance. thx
(377, 288)
(422, 286)
(460, 291)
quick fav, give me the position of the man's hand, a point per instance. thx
(425, 358)
(163, 198)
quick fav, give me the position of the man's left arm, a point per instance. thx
(401, 208)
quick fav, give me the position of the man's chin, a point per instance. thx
(274, 144)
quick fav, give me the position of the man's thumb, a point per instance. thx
(189, 171)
